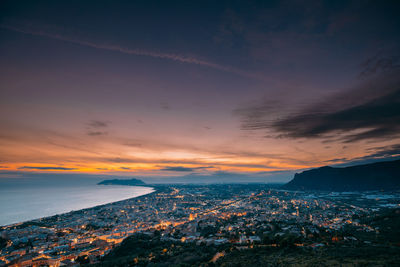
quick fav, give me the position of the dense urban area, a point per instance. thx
(215, 225)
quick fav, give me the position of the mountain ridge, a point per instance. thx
(373, 176)
(131, 182)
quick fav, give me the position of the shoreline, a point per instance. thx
(40, 219)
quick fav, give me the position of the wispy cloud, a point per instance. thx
(98, 124)
(178, 169)
(390, 151)
(28, 28)
(96, 133)
(46, 168)
(183, 169)
(124, 168)
(96, 127)
(370, 111)
(373, 154)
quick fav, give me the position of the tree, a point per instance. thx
(84, 259)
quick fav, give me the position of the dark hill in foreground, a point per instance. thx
(375, 176)
(132, 181)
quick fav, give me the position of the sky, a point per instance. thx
(197, 88)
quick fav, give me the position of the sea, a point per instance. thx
(27, 199)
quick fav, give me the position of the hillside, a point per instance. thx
(375, 176)
(135, 249)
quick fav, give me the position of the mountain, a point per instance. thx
(132, 181)
(374, 176)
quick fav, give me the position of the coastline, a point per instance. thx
(72, 212)
(179, 218)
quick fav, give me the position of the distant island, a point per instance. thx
(131, 182)
(375, 176)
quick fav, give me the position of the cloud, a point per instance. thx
(383, 152)
(375, 119)
(379, 64)
(255, 117)
(165, 106)
(260, 159)
(46, 168)
(336, 160)
(95, 127)
(121, 160)
(178, 169)
(97, 133)
(44, 31)
(184, 169)
(132, 144)
(125, 168)
(370, 111)
(373, 154)
(98, 124)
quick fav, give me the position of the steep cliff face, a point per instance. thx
(375, 176)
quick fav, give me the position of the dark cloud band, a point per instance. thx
(372, 111)
(46, 168)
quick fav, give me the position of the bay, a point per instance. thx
(26, 199)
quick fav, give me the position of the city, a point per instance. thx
(175, 133)
(219, 216)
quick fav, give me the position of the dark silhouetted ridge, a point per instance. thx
(132, 181)
(375, 176)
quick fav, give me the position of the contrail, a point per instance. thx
(129, 51)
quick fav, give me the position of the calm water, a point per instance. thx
(22, 200)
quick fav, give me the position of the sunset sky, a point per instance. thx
(170, 88)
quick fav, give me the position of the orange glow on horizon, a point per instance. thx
(31, 152)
